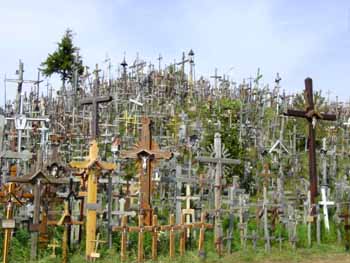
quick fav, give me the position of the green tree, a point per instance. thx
(65, 61)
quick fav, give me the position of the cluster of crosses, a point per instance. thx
(132, 157)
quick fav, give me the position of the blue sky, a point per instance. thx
(295, 38)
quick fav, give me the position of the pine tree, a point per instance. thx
(64, 61)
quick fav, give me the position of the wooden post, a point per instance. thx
(155, 237)
(140, 257)
(171, 236)
(201, 234)
(67, 222)
(183, 235)
(65, 244)
(124, 238)
(91, 212)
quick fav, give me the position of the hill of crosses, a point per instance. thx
(139, 162)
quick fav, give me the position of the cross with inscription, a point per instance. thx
(146, 152)
(311, 115)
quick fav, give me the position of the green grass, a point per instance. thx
(323, 253)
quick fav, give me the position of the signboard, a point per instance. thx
(8, 223)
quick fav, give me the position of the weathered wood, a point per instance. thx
(91, 167)
(123, 243)
(183, 236)
(155, 238)
(140, 256)
(311, 115)
(171, 236)
(146, 153)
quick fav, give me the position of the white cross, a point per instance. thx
(325, 203)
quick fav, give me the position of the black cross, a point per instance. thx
(95, 101)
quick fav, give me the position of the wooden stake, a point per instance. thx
(124, 238)
(155, 237)
(171, 236)
(140, 257)
(183, 236)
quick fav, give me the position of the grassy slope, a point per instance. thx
(320, 254)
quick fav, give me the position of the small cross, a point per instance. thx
(53, 246)
(97, 242)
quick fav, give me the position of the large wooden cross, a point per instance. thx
(94, 101)
(219, 161)
(36, 180)
(92, 166)
(146, 152)
(11, 196)
(311, 115)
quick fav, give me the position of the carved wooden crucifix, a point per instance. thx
(311, 115)
(146, 152)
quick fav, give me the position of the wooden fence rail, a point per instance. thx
(155, 229)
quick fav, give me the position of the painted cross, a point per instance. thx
(53, 246)
(188, 211)
(325, 203)
(311, 115)
(146, 152)
(92, 167)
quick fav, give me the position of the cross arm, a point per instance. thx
(102, 99)
(217, 160)
(329, 117)
(295, 113)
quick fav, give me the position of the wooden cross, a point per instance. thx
(53, 246)
(219, 161)
(11, 196)
(254, 237)
(146, 152)
(69, 197)
(92, 166)
(216, 77)
(94, 101)
(188, 211)
(97, 242)
(311, 115)
(346, 217)
(35, 180)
